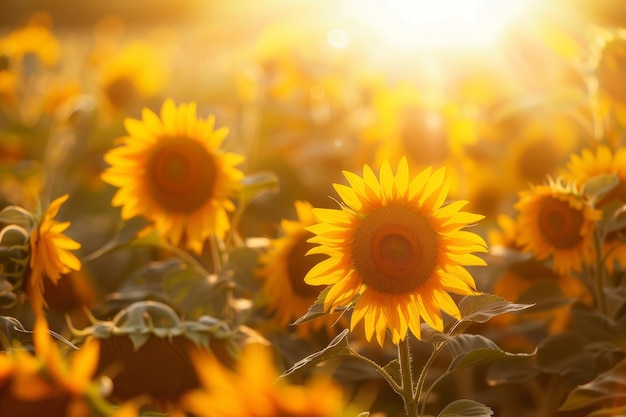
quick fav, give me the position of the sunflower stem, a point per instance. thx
(406, 372)
(422, 377)
(599, 272)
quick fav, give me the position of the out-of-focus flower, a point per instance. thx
(427, 130)
(283, 268)
(47, 383)
(253, 391)
(172, 171)
(145, 350)
(538, 150)
(589, 164)
(50, 254)
(398, 248)
(519, 277)
(132, 75)
(556, 222)
(609, 72)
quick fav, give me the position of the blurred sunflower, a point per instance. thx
(397, 249)
(37, 41)
(428, 131)
(609, 74)
(555, 221)
(172, 171)
(50, 254)
(47, 383)
(283, 268)
(589, 164)
(519, 277)
(133, 74)
(254, 391)
(540, 149)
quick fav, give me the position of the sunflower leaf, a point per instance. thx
(337, 347)
(465, 408)
(126, 236)
(483, 307)
(316, 310)
(599, 186)
(393, 370)
(256, 184)
(608, 387)
(473, 349)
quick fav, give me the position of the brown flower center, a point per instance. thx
(180, 174)
(395, 250)
(537, 160)
(5, 63)
(298, 264)
(120, 92)
(559, 223)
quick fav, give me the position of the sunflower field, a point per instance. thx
(288, 208)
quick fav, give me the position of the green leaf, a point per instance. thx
(240, 269)
(337, 347)
(599, 186)
(127, 236)
(481, 308)
(316, 310)
(500, 373)
(465, 408)
(393, 370)
(618, 219)
(608, 387)
(256, 184)
(473, 349)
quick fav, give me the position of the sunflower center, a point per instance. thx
(560, 224)
(395, 250)
(537, 160)
(120, 92)
(180, 174)
(298, 264)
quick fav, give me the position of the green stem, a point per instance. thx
(600, 270)
(406, 372)
(422, 377)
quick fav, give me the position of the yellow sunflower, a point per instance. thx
(136, 72)
(589, 164)
(253, 391)
(284, 266)
(555, 221)
(397, 249)
(50, 254)
(609, 73)
(172, 171)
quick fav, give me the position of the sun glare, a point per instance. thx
(407, 24)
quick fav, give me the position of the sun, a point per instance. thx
(173, 171)
(395, 251)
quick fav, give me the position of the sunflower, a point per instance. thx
(609, 73)
(253, 390)
(50, 254)
(172, 171)
(50, 383)
(136, 72)
(556, 221)
(283, 269)
(396, 249)
(589, 164)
